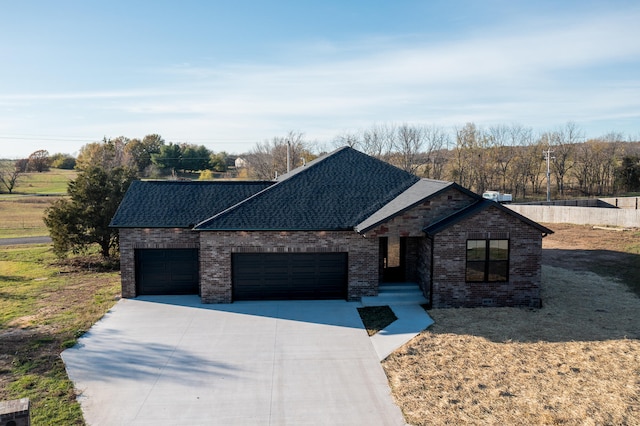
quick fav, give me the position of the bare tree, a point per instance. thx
(9, 174)
(611, 158)
(269, 158)
(461, 167)
(595, 164)
(347, 139)
(436, 143)
(378, 141)
(564, 143)
(39, 161)
(409, 144)
(502, 153)
(525, 166)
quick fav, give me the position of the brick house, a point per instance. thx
(335, 228)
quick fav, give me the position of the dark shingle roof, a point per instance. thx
(420, 191)
(179, 204)
(475, 208)
(334, 192)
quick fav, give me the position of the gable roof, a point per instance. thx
(179, 204)
(477, 207)
(334, 192)
(416, 194)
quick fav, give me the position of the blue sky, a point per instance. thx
(229, 74)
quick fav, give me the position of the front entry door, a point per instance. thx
(393, 251)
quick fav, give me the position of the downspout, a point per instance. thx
(431, 276)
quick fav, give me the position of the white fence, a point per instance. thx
(626, 217)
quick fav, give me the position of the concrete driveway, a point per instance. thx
(173, 360)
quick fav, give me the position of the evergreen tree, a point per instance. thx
(83, 219)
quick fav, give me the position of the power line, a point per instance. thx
(99, 139)
(46, 138)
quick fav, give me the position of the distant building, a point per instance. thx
(240, 163)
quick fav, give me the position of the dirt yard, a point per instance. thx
(576, 361)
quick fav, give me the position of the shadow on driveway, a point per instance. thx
(326, 312)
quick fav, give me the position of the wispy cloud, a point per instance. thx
(538, 75)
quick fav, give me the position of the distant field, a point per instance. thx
(22, 216)
(21, 212)
(52, 182)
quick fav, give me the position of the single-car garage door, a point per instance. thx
(167, 271)
(285, 276)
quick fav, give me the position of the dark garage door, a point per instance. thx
(285, 276)
(167, 271)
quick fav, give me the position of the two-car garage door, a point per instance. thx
(256, 276)
(286, 276)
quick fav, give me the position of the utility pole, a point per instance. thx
(288, 156)
(548, 157)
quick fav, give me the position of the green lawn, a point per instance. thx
(46, 183)
(44, 307)
(21, 212)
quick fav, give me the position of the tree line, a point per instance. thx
(508, 158)
(151, 156)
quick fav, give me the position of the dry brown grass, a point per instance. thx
(575, 361)
(22, 216)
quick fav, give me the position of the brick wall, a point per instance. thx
(413, 221)
(216, 248)
(146, 238)
(449, 255)
(424, 266)
(412, 259)
(525, 245)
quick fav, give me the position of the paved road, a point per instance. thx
(24, 240)
(172, 360)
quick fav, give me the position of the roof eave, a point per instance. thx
(399, 212)
(151, 226)
(274, 229)
(482, 204)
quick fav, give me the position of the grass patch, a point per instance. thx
(614, 254)
(376, 318)
(22, 216)
(22, 211)
(45, 305)
(54, 181)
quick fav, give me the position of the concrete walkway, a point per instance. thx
(412, 319)
(173, 360)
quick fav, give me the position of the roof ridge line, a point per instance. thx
(310, 164)
(278, 181)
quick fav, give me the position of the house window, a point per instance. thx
(487, 260)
